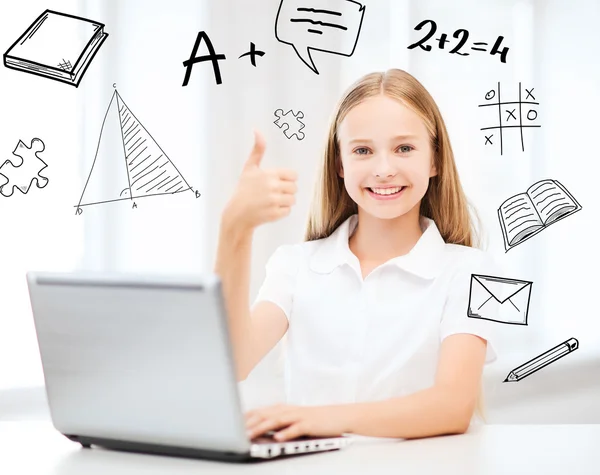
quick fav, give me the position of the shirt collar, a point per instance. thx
(425, 259)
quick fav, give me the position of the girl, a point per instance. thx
(375, 299)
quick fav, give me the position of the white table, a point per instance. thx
(34, 447)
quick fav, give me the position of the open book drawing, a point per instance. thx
(56, 46)
(526, 214)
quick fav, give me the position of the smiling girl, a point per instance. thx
(374, 301)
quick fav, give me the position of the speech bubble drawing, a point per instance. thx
(331, 26)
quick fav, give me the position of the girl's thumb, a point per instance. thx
(258, 150)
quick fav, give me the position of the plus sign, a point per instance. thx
(253, 53)
(442, 40)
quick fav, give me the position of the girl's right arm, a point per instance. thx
(233, 267)
(261, 196)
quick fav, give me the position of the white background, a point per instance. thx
(206, 130)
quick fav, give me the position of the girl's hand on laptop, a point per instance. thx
(261, 195)
(290, 421)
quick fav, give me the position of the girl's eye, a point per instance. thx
(405, 148)
(357, 150)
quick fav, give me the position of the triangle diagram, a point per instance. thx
(129, 163)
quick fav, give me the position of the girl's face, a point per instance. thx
(384, 144)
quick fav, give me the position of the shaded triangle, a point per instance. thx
(150, 171)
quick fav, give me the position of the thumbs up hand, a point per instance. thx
(257, 153)
(261, 195)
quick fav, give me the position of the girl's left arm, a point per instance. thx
(444, 408)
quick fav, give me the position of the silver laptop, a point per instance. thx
(143, 363)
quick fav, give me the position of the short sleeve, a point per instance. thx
(280, 278)
(455, 318)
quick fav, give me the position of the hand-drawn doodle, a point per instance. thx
(306, 25)
(507, 119)
(148, 170)
(212, 57)
(526, 214)
(292, 121)
(57, 46)
(463, 34)
(21, 175)
(253, 53)
(540, 361)
(499, 299)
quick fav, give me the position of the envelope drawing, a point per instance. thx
(499, 299)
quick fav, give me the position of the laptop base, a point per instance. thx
(187, 452)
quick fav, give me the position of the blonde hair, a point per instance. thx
(444, 202)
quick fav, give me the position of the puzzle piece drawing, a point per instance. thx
(292, 121)
(22, 175)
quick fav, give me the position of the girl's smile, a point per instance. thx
(386, 194)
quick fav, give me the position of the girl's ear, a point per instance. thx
(433, 171)
(340, 168)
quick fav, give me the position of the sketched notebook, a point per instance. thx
(56, 46)
(523, 215)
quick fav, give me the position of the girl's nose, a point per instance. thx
(384, 166)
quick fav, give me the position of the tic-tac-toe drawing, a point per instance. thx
(21, 174)
(506, 114)
(292, 122)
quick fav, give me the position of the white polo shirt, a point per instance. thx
(354, 340)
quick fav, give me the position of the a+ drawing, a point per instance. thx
(147, 170)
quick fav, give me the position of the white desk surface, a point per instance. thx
(34, 447)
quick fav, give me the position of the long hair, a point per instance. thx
(444, 201)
